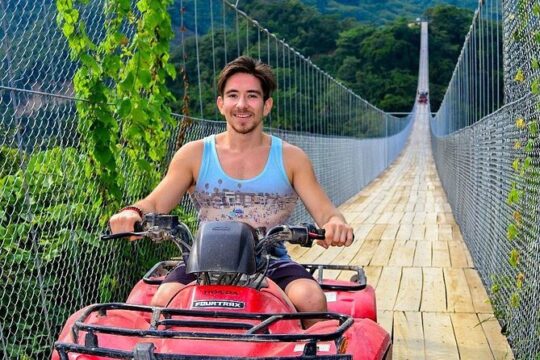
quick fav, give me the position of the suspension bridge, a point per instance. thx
(445, 207)
(429, 294)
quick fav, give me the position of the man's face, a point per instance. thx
(242, 103)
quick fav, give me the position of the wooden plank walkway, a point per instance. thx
(429, 295)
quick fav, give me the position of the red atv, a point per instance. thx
(232, 310)
(423, 97)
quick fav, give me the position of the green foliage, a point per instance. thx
(123, 113)
(523, 195)
(378, 62)
(381, 12)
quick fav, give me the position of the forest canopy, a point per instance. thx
(378, 62)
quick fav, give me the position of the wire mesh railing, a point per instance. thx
(51, 259)
(486, 152)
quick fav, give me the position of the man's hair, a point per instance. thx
(248, 65)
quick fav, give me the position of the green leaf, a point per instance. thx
(513, 195)
(145, 77)
(536, 9)
(124, 108)
(533, 128)
(530, 146)
(535, 87)
(90, 63)
(112, 65)
(527, 163)
(515, 164)
(512, 232)
(68, 29)
(514, 258)
(126, 85)
(142, 6)
(143, 164)
(171, 71)
(514, 300)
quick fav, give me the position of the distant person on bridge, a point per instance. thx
(247, 175)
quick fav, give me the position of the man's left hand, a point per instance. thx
(338, 233)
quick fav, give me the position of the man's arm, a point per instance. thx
(325, 214)
(179, 178)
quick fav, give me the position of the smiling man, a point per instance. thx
(247, 175)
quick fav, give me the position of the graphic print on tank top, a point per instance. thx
(267, 199)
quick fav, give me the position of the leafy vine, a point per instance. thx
(121, 83)
(521, 198)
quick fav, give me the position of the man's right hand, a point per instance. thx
(124, 221)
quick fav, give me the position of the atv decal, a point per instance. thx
(320, 347)
(330, 296)
(219, 303)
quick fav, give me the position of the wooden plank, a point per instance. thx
(456, 233)
(382, 254)
(457, 291)
(397, 218)
(407, 218)
(365, 254)
(431, 217)
(361, 231)
(390, 232)
(408, 336)
(418, 232)
(439, 336)
(419, 218)
(310, 255)
(404, 232)
(387, 287)
(373, 274)
(433, 290)
(432, 232)
(385, 318)
(402, 253)
(384, 218)
(422, 255)
(296, 251)
(470, 261)
(376, 232)
(440, 256)
(410, 290)
(445, 232)
(479, 295)
(470, 337)
(496, 340)
(458, 258)
(360, 219)
(372, 219)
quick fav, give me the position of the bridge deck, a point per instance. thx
(429, 295)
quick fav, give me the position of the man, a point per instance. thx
(245, 160)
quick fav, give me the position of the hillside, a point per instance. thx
(382, 11)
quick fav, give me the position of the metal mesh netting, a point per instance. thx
(481, 154)
(51, 259)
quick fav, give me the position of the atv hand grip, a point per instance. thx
(304, 235)
(137, 231)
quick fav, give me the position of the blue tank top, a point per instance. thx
(267, 199)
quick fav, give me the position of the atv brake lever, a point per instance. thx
(121, 235)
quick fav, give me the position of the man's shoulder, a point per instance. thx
(292, 150)
(190, 149)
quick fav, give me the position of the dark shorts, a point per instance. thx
(282, 272)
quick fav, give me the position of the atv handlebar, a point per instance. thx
(160, 227)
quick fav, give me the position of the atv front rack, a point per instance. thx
(255, 326)
(358, 280)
